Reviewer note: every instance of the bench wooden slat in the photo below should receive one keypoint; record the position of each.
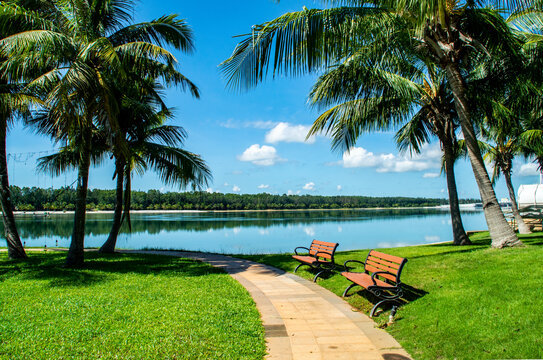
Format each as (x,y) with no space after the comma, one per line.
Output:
(392,258)
(382,262)
(374,269)
(382,268)
(325,243)
(322,249)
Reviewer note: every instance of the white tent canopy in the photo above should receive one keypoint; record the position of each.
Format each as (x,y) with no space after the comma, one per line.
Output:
(530,196)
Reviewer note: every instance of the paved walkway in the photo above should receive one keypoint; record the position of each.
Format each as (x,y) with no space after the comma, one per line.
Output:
(301,319)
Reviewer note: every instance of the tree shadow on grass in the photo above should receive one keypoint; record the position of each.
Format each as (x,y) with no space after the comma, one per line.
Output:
(98,268)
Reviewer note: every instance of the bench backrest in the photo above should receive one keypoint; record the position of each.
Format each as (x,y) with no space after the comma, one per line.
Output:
(323,249)
(378,261)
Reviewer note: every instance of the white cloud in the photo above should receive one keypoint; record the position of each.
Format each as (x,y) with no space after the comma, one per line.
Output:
(430,175)
(309,231)
(263,186)
(430,158)
(528,170)
(236,188)
(339,187)
(209,190)
(260,155)
(309,186)
(226,184)
(289,133)
(290,192)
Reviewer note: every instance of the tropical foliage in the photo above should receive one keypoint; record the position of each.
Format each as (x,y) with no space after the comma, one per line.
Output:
(83,52)
(392,38)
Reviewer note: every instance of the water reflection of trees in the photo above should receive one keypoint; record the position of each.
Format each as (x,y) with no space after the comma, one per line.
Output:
(60,226)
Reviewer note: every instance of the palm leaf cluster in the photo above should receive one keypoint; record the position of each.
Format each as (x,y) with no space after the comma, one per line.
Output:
(422,68)
(98,77)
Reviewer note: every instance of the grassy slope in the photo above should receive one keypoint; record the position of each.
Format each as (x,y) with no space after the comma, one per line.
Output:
(124,306)
(468,302)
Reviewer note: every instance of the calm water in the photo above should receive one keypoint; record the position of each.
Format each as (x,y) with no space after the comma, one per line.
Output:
(256,232)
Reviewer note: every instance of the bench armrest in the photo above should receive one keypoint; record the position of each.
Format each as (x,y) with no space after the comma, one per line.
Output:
(300,247)
(377,273)
(348,261)
(323,252)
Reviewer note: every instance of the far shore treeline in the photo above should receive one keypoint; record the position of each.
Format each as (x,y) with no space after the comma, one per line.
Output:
(34,198)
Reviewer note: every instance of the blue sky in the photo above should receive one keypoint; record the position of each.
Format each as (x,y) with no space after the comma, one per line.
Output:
(253,141)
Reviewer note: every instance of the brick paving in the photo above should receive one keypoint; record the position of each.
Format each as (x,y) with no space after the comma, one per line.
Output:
(301,319)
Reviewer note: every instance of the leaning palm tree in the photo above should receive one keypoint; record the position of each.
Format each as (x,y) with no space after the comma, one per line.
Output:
(501,155)
(15,101)
(446,31)
(12,101)
(95,45)
(153,145)
(364,96)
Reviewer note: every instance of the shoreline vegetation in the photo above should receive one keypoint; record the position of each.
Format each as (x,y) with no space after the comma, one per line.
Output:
(38,200)
(71,212)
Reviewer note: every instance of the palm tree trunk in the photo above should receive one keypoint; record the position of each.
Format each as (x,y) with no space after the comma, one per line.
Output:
(109,245)
(501,233)
(459,234)
(75,257)
(15,247)
(522,227)
(127,197)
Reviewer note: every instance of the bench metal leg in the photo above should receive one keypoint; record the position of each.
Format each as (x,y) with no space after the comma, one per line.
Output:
(297,267)
(316,276)
(392,312)
(348,288)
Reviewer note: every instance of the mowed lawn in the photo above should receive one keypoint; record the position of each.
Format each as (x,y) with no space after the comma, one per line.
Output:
(126,306)
(468,302)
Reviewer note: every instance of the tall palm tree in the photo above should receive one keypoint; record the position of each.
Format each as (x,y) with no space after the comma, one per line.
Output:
(365,95)
(506,145)
(152,145)
(12,101)
(446,31)
(15,102)
(95,45)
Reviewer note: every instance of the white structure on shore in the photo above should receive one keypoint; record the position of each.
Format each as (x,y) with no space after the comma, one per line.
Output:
(530,196)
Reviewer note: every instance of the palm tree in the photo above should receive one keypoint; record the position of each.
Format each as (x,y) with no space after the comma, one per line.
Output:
(506,145)
(94,44)
(445,31)
(529,22)
(12,101)
(365,95)
(151,144)
(15,101)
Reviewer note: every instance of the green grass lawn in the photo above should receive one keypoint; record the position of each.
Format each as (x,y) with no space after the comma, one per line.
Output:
(124,307)
(467,302)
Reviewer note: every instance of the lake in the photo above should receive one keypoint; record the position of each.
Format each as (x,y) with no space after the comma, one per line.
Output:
(252,232)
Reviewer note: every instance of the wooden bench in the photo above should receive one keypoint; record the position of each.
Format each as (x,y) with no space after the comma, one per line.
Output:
(381,277)
(320,257)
